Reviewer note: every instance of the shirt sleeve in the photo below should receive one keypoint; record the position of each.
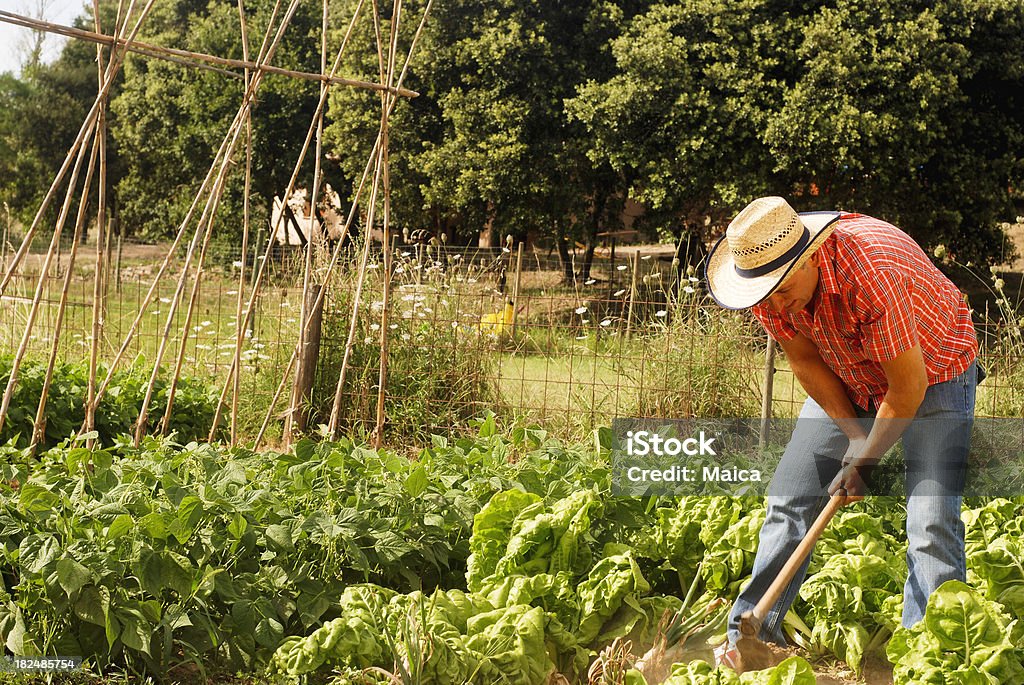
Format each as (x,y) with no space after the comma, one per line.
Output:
(884,307)
(779,328)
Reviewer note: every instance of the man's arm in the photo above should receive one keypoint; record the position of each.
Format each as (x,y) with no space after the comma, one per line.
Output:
(822,384)
(908,381)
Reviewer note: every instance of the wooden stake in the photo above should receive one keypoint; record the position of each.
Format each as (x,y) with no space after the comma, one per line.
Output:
(237,384)
(308,356)
(632,293)
(766,398)
(515,288)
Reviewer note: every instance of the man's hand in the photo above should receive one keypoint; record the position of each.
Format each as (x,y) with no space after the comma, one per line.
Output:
(849,480)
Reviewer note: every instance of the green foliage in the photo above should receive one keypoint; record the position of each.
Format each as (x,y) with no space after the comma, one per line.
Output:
(901,110)
(963,637)
(791,671)
(191,416)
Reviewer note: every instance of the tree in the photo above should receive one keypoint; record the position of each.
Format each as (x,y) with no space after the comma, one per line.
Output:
(487,146)
(912,112)
(909,111)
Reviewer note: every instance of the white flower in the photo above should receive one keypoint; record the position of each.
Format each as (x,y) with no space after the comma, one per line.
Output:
(581,337)
(693,279)
(621,267)
(393,326)
(646,256)
(455,324)
(456,258)
(688,290)
(589,281)
(374,326)
(399,270)
(237,264)
(165,300)
(368,340)
(406,336)
(619,293)
(232,292)
(586,320)
(661,312)
(406,254)
(581,310)
(606,322)
(372,266)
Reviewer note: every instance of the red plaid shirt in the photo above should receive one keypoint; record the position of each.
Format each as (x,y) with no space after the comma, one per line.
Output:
(878,295)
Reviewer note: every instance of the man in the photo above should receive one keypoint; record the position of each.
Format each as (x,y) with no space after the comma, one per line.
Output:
(883,344)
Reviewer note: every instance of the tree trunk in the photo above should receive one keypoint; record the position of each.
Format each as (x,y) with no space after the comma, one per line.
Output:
(564,260)
(596,212)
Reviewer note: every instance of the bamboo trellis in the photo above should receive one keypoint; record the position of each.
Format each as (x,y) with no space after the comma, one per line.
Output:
(111,53)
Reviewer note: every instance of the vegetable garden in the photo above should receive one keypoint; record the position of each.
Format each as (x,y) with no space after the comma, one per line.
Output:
(496,558)
(145,531)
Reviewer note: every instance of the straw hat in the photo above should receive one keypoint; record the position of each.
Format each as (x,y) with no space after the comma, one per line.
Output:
(763,245)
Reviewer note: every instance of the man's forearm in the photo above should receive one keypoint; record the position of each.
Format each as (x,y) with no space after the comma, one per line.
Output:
(894,415)
(826,388)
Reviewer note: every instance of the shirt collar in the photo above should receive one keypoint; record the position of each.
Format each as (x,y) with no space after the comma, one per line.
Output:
(827,282)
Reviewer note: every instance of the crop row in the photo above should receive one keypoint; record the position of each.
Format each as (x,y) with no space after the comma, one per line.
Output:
(498,558)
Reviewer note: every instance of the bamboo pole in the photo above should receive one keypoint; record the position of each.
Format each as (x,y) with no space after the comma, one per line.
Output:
(197,58)
(389,242)
(237,386)
(39,426)
(98,301)
(307,276)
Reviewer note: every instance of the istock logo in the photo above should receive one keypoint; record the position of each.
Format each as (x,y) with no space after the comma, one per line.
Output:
(644,443)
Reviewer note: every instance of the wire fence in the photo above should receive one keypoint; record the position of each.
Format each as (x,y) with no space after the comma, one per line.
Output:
(465,331)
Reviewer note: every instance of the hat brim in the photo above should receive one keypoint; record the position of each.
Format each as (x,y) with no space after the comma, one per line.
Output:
(733,291)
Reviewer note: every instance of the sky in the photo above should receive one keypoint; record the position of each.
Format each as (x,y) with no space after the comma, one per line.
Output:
(55,11)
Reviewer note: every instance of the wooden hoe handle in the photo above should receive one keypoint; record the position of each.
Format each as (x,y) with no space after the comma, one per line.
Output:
(771,596)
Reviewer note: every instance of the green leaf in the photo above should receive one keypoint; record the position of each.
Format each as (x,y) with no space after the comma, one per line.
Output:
(121,525)
(72,575)
(417,481)
(279,538)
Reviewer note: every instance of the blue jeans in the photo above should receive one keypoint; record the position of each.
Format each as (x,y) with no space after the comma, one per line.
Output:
(935,446)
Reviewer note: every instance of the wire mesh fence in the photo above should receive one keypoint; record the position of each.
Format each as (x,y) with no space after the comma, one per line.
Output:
(464,331)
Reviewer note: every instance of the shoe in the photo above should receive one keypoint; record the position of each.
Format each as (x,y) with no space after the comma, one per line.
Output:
(727,655)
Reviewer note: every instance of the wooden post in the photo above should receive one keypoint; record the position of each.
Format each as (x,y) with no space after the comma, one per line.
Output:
(308,356)
(766,398)
(632,294)
(515,288)
(120,252)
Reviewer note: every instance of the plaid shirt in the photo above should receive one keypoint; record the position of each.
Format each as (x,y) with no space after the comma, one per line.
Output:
(878,295)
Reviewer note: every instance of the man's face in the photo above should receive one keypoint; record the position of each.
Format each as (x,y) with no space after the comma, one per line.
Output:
(797,290)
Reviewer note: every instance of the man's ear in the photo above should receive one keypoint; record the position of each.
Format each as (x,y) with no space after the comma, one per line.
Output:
(813,260)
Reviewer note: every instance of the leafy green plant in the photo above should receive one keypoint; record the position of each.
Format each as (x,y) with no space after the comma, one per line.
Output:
(963,638)
(192,415)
